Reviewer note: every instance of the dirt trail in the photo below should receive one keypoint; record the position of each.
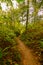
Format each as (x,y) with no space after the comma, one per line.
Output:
(27,56)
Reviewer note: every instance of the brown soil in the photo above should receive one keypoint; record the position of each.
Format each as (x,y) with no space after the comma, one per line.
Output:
(27,56)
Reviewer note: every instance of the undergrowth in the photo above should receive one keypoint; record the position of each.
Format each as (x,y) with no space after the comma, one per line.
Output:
(33,38)
(9,54)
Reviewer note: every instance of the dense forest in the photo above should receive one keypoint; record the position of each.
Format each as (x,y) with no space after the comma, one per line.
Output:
(21,32)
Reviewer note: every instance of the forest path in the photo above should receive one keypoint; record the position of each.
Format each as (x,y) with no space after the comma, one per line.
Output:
(27,56)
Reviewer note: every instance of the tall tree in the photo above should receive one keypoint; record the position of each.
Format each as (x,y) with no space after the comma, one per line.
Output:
(27,14)
(37,5)
(27,11)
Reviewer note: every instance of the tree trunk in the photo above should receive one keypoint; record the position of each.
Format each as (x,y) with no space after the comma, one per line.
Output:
(27,14)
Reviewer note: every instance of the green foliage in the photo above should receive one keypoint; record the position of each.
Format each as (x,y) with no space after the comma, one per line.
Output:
(16,64)
(10,27)
(1,53)
(41,43)
(34,34)
(8,63)
(6,34)
(19,28)
(20,1)
(17,56)
(8,45)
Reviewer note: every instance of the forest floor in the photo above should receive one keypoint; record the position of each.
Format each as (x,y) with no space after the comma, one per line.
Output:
(28,57)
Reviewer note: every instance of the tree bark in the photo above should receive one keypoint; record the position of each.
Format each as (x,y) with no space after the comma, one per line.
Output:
(27,14)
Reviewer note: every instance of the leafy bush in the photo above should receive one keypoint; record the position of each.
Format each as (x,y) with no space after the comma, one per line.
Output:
(8,48)
(34,34)
(6,33)
(17,56)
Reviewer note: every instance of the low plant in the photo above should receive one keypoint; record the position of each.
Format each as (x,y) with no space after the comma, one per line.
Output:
(8,49)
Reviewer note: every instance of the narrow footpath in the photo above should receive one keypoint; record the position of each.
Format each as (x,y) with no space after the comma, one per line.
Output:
(27,56)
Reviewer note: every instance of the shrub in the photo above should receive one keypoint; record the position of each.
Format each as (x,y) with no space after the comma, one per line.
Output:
(34,34)
(8,48)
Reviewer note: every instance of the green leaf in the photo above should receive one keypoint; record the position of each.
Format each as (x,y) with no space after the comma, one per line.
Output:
(6,48)
(1,53)
(20,1)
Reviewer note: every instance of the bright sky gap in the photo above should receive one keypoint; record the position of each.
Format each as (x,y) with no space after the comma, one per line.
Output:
(15,5)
